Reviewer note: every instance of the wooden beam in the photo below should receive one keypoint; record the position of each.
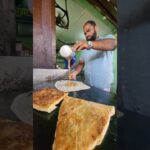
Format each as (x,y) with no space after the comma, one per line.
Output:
(104,10)
(44,28)
(109,7)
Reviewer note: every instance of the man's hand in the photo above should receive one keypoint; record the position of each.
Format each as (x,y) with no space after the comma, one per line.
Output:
(73,75)
(78,69)
(80,46)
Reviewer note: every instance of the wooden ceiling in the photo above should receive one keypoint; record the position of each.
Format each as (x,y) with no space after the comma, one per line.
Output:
(108,8)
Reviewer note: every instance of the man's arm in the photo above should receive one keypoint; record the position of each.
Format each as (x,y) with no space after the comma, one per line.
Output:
(105,45)
(78,69)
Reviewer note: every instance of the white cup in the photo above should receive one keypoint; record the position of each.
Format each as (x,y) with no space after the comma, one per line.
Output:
(66,51)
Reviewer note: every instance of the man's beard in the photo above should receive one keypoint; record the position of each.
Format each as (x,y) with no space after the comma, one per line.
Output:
(93,37)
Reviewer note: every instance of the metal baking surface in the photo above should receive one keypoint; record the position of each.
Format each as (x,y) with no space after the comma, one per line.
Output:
(45,124)
(42,75)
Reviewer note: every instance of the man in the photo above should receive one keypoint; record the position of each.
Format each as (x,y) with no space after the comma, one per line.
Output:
(96,58)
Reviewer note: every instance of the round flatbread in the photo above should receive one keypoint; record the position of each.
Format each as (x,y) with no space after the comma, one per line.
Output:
(70,86)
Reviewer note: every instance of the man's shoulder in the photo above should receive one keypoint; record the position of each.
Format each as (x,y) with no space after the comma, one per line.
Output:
(109,36)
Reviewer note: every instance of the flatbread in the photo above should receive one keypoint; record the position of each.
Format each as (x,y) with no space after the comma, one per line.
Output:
(81,124)
(15,135)
(46,99)
(70,86)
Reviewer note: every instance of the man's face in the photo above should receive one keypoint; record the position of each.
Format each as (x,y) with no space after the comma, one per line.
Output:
(89,32)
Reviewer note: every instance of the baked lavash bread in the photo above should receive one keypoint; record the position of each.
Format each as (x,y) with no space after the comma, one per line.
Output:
(46,99)
(81,124)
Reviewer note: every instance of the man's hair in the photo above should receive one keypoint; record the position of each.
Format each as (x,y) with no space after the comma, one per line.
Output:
(90,22)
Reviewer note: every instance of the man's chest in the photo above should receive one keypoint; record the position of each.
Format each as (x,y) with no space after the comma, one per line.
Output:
(93,55)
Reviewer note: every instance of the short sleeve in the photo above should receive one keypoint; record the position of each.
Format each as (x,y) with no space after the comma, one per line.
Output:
(110,36)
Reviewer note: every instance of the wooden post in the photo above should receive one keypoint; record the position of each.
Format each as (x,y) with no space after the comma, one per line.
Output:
(44,39)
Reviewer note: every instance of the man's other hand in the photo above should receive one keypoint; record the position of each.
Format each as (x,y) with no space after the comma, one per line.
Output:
(80,46)
(73,75)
